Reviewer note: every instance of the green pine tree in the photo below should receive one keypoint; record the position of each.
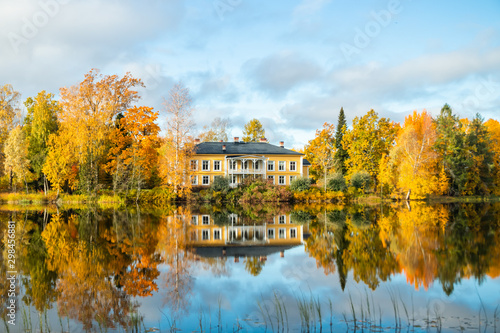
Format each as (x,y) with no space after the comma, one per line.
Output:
(341,154)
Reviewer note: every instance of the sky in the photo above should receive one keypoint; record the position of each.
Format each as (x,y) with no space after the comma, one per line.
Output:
(291,64)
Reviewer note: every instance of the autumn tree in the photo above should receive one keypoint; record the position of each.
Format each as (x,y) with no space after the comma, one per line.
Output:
(88,113)
(9,109)
(369,139)
(16,156)
(61,165)
(320,151)
(177,147)
(418,163)
(253,131)
(134,154)
(341,153)
(217,130)
(493,127)
(40,122)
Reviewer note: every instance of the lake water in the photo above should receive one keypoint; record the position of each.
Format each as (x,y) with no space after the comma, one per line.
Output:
(408,267)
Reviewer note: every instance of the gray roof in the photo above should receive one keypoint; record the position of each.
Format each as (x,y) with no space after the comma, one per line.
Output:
(240,251)
(242,148)
(306,162)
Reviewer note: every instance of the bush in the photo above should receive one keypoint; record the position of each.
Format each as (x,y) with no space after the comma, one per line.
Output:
(220,184)
(361,180)
(336,183)
(300,184)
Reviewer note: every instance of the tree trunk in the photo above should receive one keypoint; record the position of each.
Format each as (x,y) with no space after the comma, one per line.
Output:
(26,183)
(11,176)
(408,194)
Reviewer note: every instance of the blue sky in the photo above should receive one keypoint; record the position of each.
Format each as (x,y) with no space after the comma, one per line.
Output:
(291,64)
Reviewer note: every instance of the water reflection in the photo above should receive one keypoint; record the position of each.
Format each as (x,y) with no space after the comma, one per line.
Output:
(96,265)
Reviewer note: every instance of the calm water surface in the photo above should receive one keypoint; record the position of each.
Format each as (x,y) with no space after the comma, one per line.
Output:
(253,268)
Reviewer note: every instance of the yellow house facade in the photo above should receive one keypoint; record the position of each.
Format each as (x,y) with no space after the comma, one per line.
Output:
(238,160)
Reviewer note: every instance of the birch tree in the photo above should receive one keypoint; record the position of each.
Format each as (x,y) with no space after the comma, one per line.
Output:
(178,144)
(16,156)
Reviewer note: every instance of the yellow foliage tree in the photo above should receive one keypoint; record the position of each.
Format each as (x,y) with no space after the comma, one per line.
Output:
(493,127)
(418,161)
(88,113)
(16,156)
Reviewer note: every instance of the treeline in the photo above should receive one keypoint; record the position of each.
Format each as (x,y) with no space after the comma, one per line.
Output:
(426,156)
(97,137)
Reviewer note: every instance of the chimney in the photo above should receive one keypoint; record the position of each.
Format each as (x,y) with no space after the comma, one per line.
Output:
(236,139)
(282,254)
(196,140)
(236,259)
(223,147)
(263,140)
(221,141)
(282,144)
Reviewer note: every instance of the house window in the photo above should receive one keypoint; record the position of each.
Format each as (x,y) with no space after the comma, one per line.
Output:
(293,233)
(292,178)
(205,219)
(282,219)
(194,220)
(205,234)
(282,233)
(281,180)
(244,165)
(234,179)
(217,165)
(205,180)
(271,179)
(270,233)
(194,180)
(233,165)
(281,166)
(293,166)
(256,165)
(194,235)
(205,165)
(194,165)
(270,165)
(217,234)
(233,218)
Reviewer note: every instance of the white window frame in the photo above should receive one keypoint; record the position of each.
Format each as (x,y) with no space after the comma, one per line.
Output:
(219,164)
(205,219)
(207,165)
(194,220)
(219,231)
(281,166)
(294,166)
(233,179)
(282,219)
(205,232)
(203,180)
(233,164)
(271,233)
(194,165)
(270,165)
(293,233)
(271,177)
(282,233)
(194,179)
(281,178)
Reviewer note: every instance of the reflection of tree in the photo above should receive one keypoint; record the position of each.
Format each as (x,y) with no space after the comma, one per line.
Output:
(367,256)
(87,293)
(254,265)
(172,236)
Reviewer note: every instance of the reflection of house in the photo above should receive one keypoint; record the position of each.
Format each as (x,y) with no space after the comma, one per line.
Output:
(238,160)
(238,239)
